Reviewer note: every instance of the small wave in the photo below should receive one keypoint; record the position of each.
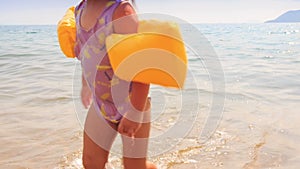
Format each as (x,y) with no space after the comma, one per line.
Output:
(268,57)
(71,161)
(188,155)
(256,150)
(19,55)
(32,32)
(293,43)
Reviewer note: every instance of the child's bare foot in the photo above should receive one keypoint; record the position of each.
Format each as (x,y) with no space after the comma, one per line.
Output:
(150,165)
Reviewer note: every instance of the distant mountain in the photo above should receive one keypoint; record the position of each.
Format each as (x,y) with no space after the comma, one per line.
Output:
(290,16)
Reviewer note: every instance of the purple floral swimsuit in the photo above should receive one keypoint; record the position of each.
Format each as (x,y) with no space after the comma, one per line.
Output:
(90,49)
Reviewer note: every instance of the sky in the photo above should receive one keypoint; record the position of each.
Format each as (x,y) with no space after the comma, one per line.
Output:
(194,11)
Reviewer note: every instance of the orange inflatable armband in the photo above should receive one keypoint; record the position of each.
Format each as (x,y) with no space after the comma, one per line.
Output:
(66,31)
(156,54)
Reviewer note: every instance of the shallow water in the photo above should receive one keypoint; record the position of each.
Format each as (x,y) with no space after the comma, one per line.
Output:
(41,127)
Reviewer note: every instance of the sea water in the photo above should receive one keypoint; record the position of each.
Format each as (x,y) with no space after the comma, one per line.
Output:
(41,117)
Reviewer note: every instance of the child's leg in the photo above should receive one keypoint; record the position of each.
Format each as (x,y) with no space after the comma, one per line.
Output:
(135,151)
(98,138)
(93,155)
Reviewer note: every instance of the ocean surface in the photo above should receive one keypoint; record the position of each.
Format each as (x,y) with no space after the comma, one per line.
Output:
(41,116)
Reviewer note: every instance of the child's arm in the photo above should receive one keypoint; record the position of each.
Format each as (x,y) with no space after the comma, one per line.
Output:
(138,100)
(140,91)
(86,94)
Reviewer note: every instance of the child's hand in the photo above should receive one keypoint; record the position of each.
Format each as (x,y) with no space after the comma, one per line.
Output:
(128,127)
(86,96)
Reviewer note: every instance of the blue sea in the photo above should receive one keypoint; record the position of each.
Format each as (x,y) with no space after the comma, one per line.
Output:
(249,115)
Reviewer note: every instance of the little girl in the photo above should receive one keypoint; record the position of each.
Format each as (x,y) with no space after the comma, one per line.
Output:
(104,121)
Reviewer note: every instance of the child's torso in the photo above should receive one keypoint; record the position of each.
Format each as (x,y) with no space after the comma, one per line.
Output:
(90,49)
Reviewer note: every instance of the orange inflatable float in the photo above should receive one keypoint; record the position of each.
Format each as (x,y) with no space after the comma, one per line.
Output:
(156,54)
(66,31)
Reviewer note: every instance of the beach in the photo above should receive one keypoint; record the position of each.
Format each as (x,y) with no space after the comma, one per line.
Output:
(41,116)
